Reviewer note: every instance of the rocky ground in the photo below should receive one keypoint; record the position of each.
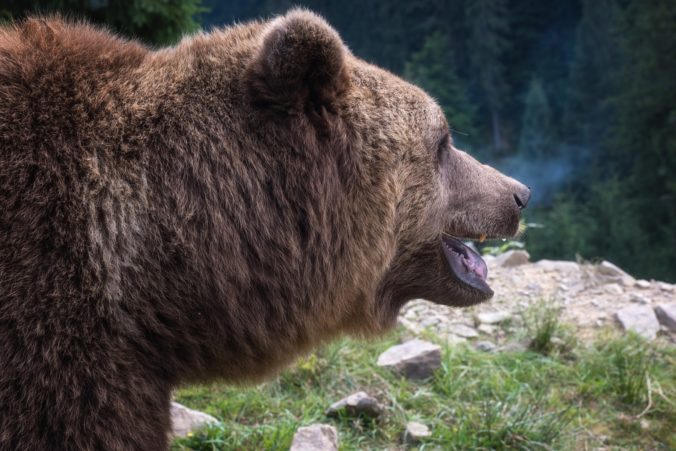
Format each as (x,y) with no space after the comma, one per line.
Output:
(587,297)
(590,297)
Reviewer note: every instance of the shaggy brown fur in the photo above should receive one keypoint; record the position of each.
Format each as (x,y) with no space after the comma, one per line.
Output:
(208,210)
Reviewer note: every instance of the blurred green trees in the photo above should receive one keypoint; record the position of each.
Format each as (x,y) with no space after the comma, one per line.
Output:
(433,69)
(153,21)
(575,97)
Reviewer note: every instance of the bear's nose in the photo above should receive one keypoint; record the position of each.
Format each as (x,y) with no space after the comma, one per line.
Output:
(522,197)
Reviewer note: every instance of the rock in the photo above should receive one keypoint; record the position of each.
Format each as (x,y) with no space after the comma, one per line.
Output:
(612,272)
(316,437)
(485,346)
(513,346)
(666,314)
(629,282)
(493,317)
(556,265)
(185,420)
(666,287)
(416,432)
(486,329)
(639,299)
(355,405)
(613,288)
(462,330)
(431,321)
(511,258)
(415,359)
(643,284)
(640,319)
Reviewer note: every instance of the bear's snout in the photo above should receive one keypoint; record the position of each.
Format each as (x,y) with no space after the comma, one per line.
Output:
(484,203)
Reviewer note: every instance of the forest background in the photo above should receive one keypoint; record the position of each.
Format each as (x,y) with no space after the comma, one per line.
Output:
(576,98)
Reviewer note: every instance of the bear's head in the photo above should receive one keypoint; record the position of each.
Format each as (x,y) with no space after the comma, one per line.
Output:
(423,195)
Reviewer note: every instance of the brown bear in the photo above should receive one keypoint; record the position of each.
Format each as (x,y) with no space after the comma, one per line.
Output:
(211,210)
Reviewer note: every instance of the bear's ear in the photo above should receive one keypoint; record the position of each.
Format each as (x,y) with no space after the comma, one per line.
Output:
(300,65)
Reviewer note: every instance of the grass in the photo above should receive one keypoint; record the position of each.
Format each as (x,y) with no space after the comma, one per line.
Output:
(618,392)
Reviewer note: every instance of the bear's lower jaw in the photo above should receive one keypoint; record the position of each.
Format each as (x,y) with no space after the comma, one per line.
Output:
(466,265)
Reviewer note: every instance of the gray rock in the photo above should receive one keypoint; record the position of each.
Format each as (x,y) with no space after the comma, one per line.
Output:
(356,404)
(416,432)
(556,265)
(415,359)
(493,317)
(462,330)
(511,258)
(431,321)
(485,346)
(185,420)
(639,299)
(486,329)
(316,437)
(640,319)
(613,288)
(643,284)
(666,287)
(612,272)
(513,346)
(666,314)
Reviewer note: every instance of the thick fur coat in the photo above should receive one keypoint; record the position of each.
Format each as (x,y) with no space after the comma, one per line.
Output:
(209,210)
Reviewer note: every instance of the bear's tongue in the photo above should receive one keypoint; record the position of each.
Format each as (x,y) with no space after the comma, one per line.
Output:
(465,264)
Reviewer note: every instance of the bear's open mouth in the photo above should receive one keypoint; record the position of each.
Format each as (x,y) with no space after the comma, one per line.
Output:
(466,264)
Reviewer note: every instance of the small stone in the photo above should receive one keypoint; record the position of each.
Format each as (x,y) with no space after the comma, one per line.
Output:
(611,272)
(486,329)
(493,317)
(596,303)
(462,330)
(185,420)
(640,319)
(511,259)
(555,265)
(628,282)
(431,321)
(605,268)
(316,437)
(415,359)
(639,299)
(666,287)
(416,432)
(614,288)
(666,314)
(643,284)
(355,405)
(513,346)
(485,346)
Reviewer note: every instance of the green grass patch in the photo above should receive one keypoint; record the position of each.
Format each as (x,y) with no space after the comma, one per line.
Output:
(618,392)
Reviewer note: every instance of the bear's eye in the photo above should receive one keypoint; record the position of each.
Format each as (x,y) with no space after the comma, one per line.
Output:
(442,150)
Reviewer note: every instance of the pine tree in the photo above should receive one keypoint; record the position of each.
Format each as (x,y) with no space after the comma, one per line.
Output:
(597,60)
(535,141)
(488,27)
(432,68)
